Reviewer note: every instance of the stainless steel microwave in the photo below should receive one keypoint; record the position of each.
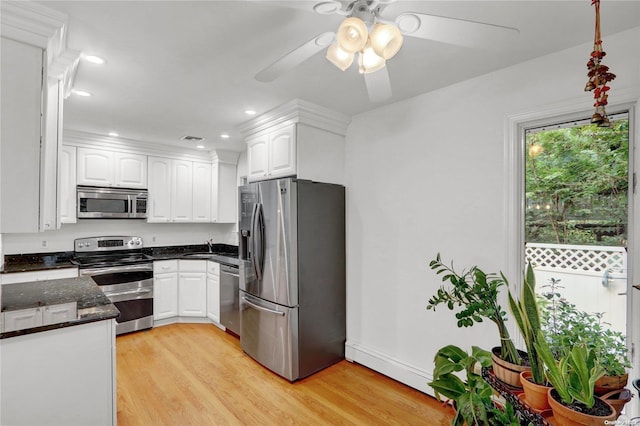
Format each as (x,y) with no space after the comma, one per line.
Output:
(111,203)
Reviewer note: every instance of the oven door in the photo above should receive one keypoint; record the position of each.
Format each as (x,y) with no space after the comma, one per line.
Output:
(130,289)
(96,203)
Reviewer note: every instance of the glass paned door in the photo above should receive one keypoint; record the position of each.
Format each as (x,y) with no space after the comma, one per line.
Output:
(576,214)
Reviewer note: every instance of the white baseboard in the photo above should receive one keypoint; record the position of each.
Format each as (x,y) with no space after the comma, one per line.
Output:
(192,320)
(399,370)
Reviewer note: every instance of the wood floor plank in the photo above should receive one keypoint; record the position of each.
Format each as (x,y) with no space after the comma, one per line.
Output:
(196,374)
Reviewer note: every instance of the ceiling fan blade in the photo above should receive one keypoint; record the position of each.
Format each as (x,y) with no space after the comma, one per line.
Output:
(378,85)
(295,57)
(455,31)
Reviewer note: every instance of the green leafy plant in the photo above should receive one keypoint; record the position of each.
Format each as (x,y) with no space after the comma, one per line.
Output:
(472,397)
(565,325)
(574,374)
(525,311)
(476,293)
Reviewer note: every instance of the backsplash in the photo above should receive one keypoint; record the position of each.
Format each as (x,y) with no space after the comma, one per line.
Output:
(153,235)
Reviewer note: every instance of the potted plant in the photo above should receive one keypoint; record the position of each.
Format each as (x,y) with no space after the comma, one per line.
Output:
(564,325)
(476,294)
(471,397)
(573,376)
(527,317)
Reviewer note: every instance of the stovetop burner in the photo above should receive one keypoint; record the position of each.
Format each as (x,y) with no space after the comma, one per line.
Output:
(111,259)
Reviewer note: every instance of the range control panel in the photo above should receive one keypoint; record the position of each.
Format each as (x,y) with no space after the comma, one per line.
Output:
(107,243)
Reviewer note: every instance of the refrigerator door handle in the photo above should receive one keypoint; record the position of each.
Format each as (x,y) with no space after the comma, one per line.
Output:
(252,239)
(260,308)
(258,242)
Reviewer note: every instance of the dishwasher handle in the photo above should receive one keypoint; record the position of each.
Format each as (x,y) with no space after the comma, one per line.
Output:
(230,270)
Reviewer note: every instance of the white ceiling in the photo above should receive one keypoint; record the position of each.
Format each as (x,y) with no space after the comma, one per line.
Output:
(178,68)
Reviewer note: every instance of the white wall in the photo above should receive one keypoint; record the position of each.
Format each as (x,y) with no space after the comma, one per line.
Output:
(426,175)
(153,235)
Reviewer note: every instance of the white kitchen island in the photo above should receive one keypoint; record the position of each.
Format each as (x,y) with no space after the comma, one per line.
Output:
(61,374)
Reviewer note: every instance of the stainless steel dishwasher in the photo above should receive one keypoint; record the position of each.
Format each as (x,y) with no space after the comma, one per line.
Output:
(229,302)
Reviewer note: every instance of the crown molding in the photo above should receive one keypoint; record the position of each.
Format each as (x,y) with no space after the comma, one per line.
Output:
(32,23)
(91,140)
(298,111)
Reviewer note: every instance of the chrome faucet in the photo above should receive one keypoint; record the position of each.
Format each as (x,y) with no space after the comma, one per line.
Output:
(210,244)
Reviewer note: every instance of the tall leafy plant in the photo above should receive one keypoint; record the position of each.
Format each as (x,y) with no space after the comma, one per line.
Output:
(525,311)
(476,294)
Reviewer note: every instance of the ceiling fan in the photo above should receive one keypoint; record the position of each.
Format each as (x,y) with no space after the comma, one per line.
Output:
(375,36)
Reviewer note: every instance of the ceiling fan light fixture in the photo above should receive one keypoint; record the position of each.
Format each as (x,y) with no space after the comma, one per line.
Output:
(352,34)
(386,40)
(369,61)
(339,57)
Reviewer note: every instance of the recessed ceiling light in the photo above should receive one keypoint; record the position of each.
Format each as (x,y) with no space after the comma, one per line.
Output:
(200,146)
(224,135)
(114,134)
(81,92)
(94,59)
(250,111)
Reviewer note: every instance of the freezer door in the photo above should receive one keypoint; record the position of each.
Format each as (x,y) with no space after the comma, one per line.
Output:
(269,334)
(273,244)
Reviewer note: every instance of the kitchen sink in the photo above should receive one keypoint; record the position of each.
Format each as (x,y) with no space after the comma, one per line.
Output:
(198,255)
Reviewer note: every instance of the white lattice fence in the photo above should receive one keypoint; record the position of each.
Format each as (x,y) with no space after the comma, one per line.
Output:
(577,258)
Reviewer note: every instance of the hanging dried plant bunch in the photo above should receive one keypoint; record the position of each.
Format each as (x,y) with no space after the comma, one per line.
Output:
(599,75)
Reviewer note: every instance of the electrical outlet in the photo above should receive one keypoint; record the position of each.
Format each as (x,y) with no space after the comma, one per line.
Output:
(153,239)
(44,243)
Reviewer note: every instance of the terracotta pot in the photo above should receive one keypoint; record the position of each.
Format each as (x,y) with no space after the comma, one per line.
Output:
(618,398)
(535,395)
(565,416)
(606,384)
(505,371)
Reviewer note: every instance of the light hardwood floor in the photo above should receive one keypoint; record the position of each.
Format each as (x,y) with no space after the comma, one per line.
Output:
(196,374)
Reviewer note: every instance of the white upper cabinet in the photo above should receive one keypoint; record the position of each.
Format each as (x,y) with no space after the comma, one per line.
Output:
(296,139)
(130,170)
(159,190)
(272,154)
(257,157)
(186,191)
(35,68)
(282,152)
(95,167)
(67,184)
(182,191)
(98,167)
(202,192)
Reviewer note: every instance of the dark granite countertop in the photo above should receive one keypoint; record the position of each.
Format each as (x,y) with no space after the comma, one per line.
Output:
(36,262)
(222,253)
(92,304)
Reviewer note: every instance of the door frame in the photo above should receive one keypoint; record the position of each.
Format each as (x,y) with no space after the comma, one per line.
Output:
(514,208)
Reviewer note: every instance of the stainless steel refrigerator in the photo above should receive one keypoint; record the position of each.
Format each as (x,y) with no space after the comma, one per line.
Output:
(292,275)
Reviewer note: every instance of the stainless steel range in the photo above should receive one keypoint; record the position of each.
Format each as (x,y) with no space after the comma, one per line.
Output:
(125,275)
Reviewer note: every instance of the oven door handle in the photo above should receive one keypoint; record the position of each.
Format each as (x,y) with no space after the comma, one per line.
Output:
(127,268)
(127,292)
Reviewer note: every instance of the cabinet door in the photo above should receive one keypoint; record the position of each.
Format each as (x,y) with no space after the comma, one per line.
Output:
(181,191)
(95,167)
(130,170)
(202,192)
(21,106)
(213,291)
(257,157)
(282,152)
(192,294)
(67,184)
(165,295)
(50,149)
(159,190)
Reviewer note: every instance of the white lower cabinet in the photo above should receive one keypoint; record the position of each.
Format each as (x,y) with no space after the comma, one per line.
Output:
(39,316)
(213,291)
(67,373)
(165,289)
(192,288)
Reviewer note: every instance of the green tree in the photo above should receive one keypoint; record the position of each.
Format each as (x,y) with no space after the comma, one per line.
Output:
(576,184)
